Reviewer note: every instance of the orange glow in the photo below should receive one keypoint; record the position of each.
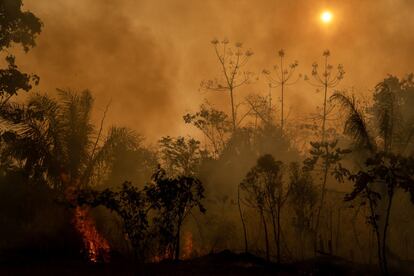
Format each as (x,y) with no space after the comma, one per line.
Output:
(188,246)
(165,256)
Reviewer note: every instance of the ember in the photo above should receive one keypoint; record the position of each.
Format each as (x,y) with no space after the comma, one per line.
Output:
(166,255)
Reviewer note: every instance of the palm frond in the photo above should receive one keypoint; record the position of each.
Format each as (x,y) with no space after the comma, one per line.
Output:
(355,125)
(75,116)
(116,138)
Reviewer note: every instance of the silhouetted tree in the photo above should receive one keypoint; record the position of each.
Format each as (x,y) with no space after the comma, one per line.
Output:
(54,142)
(264,191)
(260,109)
(303,198)
(214,124)
(132,206)
(232,60)
(329,156)
(326,80)
(181,156)
(388,140)
(393,172)
(283,78)
(17,27)
(174,199)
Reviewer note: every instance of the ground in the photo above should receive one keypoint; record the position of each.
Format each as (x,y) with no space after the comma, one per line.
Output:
(223,263)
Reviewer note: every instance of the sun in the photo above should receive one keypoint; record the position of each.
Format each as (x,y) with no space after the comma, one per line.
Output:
(326,17)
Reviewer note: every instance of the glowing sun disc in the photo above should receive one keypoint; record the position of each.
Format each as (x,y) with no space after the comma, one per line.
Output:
(326,17)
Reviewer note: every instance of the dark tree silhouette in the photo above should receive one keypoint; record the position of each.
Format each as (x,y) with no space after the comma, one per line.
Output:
(132,206)
(283,78)
(214,124)
(329,156)
(326,80)
(303,198)
(386,145)
(17,27)
(181,156)
(174,199)
(264,191)
(232,60)
(393,172)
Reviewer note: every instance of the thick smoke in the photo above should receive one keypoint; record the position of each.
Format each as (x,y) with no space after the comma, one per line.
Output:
(150,56)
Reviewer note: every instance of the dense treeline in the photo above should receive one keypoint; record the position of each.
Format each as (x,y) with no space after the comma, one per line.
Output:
(69,184)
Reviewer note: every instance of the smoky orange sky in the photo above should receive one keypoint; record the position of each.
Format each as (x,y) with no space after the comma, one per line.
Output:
(149,57)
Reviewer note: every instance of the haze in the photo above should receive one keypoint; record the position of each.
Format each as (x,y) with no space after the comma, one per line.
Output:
(149,57)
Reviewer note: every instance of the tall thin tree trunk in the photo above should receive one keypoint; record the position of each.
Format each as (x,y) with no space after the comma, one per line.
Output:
(242,221)
(266,236)
(324,101)
(278,233)
(233,111)
(177,243)
(318,215)
(272,213)
(338,229)
(282,121)
(384,236)
(377,233)
(330,242)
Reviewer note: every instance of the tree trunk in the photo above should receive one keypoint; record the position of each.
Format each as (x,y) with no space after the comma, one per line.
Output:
(279,208)
(324,102)
(275,233)
(177,243)
(242,221)
(377,233)
(266,236)
(282,106)
(233,111)
(384,236)
(325,176)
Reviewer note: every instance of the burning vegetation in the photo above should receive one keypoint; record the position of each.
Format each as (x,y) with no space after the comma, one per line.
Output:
(96,247)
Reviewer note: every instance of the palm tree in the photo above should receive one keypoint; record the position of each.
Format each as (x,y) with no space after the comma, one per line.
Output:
(57,145)
(388,139)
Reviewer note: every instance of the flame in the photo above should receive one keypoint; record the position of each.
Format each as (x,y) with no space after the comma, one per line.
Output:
(96,246)
(187,252)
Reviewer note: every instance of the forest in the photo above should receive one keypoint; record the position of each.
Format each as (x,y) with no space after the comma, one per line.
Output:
(252,191)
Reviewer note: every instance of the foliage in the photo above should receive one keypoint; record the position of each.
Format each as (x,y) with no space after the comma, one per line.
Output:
(181,156)
(213,123)
(55,142)
(132,206)
(388,170)
(232,60)
(283,77)
(264,191)
(173,199)
(388,123)
(303,197)
(17,27)
(325,79)
(355,123)
(330,157)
